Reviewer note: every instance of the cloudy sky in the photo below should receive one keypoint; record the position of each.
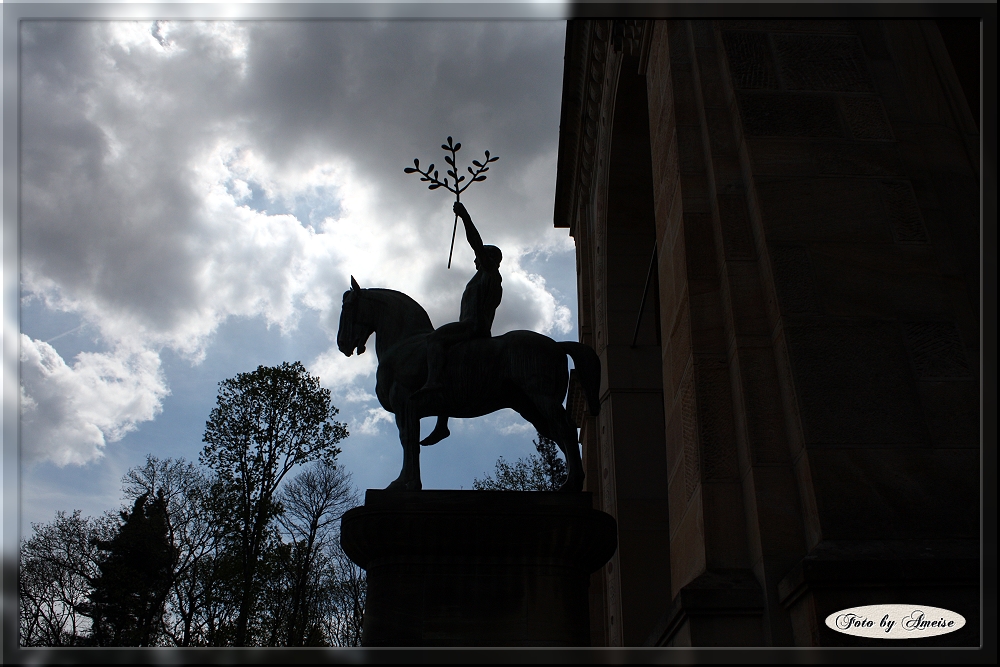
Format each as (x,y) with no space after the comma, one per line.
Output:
(196,195)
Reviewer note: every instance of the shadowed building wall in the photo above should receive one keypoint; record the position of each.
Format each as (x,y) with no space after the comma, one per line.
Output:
(795,429)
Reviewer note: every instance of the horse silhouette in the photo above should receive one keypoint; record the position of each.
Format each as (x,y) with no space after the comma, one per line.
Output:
(522,370)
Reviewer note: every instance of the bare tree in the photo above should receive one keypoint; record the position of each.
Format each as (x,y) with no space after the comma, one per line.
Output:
(312,504)
(344,623)
(58,567)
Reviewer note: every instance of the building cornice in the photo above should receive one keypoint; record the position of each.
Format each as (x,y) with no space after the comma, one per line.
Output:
(584,76)
(573,117)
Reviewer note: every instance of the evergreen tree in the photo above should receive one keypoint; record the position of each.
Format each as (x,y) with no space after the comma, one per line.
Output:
(128,598)
(191,529)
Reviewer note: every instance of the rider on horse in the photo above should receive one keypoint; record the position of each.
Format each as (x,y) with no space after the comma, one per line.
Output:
(479,304)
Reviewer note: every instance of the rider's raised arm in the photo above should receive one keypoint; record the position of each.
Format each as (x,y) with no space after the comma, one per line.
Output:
(471,233)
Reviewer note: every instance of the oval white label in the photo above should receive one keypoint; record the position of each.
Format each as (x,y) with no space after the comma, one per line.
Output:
(895,621)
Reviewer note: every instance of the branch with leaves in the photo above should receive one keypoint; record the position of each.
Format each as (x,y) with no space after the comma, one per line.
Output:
(432,176)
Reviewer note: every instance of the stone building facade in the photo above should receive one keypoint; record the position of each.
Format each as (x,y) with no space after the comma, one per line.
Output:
(777,230)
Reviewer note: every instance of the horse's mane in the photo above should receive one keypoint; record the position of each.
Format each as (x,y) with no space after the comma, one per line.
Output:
(415,317)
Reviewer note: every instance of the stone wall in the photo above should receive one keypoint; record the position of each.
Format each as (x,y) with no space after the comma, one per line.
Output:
(809,368)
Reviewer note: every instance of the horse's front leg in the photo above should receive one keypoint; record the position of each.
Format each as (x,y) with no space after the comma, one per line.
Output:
(408,423)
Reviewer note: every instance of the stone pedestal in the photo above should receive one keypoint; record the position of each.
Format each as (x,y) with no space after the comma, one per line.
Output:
(477,568)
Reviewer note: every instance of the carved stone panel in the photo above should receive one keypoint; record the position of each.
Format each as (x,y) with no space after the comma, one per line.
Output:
(605,437)
(873,40)
(789,115)
(793,279)
(855,385)
(902,212)
(833,63)
(792,157)
(936,350)
(841,210)
(750,62)
(866,118)
(576,401)
(715,420)
(856,159)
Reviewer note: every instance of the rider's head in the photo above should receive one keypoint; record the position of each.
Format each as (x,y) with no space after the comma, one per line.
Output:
(492,255)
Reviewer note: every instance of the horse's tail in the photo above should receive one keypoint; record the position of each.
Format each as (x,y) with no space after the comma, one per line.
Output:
(588,368)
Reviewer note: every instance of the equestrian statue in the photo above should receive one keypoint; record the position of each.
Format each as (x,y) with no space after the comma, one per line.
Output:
(460,369)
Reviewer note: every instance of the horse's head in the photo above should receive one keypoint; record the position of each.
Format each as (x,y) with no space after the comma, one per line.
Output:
(352,333)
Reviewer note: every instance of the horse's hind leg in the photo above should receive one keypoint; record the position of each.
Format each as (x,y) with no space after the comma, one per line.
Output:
(558,426)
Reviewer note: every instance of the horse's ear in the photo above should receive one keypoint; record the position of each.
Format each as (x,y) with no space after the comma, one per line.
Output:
(354,285)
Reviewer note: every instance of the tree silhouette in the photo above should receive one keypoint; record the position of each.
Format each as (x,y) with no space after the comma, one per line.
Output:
(265,423)
(136,571)
(59,564)
(191,529)
(312,503)
(74,590)
(544,471)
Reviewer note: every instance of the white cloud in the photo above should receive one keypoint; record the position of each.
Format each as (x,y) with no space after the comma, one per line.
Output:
(516,429)
(373,419)
(339,373)
(527,304)
(179,174)
(69,413)
(355,394)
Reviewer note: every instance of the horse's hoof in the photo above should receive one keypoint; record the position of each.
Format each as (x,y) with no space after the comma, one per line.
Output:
(435,437)
(400,485)
(572,486)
